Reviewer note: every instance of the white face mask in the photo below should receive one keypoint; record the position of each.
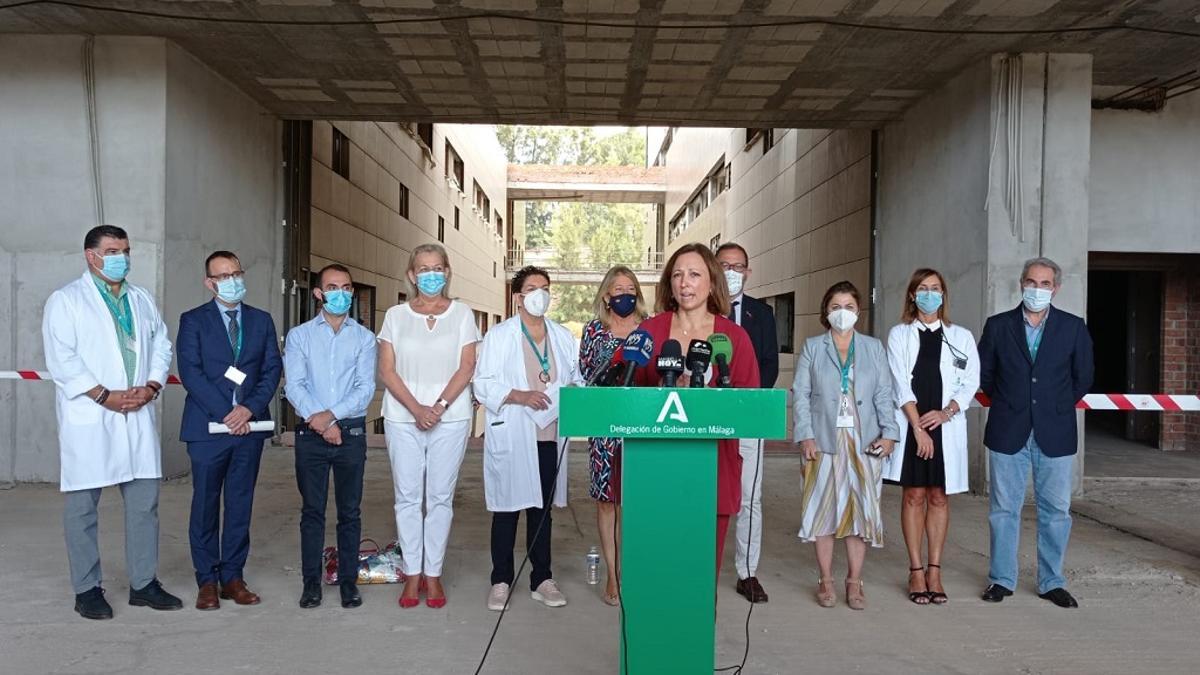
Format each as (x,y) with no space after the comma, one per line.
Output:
(537,302)
(842,320)
(734,280)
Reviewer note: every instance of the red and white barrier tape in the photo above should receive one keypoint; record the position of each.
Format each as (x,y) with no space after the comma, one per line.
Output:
(1146,402)
(41,375)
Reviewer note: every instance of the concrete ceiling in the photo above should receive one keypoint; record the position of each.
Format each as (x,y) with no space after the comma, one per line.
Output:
(634,62)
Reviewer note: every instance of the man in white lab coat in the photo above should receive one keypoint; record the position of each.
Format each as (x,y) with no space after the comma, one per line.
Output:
(107,350)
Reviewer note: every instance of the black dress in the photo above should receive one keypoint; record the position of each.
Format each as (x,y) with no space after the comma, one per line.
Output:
(927,388)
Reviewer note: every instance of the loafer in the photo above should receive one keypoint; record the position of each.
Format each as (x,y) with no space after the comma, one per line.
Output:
(995,593)
(498,597)
(350,596)
(154,597)
(207,598)
(548,594)
(311,597)
(92,605)
(1060,597)
(237,591)
(751,589)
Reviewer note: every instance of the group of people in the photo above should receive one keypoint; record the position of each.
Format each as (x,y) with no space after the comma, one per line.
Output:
(108,352)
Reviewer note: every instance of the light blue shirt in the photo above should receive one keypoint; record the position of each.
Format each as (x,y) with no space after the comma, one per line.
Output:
(329,371)
(1033,334)
(225,318)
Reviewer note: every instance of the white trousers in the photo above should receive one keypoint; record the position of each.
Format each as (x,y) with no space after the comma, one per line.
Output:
(425,468)
(749,519)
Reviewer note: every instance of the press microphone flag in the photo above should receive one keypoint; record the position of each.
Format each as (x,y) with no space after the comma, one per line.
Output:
(637,349)
(722,354)
(698,357)
(670,362)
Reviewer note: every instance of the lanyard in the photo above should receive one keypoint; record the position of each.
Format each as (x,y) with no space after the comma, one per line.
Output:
(846,366)
(1037,339)
(543,358)
(120,310)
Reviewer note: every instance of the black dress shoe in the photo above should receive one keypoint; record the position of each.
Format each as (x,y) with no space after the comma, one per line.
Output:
(311,597)
(995,593)
(92,605)
(350,596)
(154,597)
(1060,597)
(751,589)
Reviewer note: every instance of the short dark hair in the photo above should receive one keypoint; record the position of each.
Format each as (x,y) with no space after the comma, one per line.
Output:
(228,255)
(524,273)
(94,235)
(839,287)
(332,267)
(733,245)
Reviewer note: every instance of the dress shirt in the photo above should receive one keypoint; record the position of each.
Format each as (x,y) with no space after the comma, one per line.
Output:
(329,370)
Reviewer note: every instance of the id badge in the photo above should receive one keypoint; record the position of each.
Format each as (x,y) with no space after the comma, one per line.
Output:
(235,376)
(844,419)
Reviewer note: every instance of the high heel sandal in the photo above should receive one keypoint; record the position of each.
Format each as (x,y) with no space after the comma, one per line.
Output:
(825,594)
(855,600)
(917,597)
(936,597)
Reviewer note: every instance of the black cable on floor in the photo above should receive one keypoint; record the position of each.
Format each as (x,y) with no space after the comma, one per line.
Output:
(549,504)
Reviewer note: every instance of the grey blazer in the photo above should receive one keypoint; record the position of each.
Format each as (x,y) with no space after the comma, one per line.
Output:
(817,390)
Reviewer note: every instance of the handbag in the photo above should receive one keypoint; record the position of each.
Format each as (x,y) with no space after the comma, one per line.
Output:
(375,565)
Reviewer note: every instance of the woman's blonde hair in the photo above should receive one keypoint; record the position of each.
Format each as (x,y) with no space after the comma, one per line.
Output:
(413,291)
(600,308)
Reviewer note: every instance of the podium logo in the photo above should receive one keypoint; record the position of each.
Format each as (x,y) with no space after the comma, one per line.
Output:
(673,408)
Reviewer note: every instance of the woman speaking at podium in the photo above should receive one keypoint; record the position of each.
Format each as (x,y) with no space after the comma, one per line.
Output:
(692,302)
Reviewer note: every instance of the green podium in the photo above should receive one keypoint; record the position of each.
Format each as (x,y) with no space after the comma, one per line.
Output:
(669,507)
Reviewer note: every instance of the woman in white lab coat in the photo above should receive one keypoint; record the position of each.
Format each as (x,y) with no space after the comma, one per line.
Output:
(522,363)
(935,368)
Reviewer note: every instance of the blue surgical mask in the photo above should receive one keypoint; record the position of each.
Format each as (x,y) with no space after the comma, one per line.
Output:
(116,267)
(1036,299)
(929,301)
(623,305)
(338,301)
(231,290)
(431,283)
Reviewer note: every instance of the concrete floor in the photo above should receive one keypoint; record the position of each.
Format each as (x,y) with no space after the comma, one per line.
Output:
(1111,456)
(1139,600)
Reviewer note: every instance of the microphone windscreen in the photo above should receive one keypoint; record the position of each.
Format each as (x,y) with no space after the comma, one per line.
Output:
(721,346)
(699,355)
(638,347)
(672,348)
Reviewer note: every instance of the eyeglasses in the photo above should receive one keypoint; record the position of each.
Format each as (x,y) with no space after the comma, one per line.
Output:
(735,267)
(226,277)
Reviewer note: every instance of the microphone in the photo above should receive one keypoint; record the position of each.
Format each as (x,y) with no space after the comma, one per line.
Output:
(722,353)
(698,357)
(637,350)
(615,373)
(606,362)
(670,362)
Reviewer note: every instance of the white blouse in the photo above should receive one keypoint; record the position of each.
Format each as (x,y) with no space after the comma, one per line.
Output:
(426,358)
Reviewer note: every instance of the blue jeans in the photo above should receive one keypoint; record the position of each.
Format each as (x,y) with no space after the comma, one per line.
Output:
(1052,489)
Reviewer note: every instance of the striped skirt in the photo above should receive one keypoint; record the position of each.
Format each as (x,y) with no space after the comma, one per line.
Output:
(841,492)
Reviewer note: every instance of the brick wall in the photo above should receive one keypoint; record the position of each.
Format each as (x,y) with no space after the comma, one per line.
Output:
(1181,356)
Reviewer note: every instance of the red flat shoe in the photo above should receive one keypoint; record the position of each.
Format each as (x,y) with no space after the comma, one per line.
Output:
(409,603)
(435,603)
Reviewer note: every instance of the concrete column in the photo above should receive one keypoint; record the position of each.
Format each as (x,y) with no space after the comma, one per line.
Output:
(944,201)
(1050,216)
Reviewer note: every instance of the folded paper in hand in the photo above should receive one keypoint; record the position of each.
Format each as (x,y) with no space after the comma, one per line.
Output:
(218,428)
(544,418)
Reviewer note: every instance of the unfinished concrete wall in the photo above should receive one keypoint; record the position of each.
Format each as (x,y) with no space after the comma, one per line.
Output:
(1145,177)
(222,159)
(166,127)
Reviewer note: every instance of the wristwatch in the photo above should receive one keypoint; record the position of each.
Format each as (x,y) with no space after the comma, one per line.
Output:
(442,402)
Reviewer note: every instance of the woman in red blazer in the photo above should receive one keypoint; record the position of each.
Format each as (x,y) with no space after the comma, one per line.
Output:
(692,304)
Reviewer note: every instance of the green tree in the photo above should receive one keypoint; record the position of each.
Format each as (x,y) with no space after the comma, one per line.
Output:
(582,235)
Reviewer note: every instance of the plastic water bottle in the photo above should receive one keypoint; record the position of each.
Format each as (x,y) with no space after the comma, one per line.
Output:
(593,566)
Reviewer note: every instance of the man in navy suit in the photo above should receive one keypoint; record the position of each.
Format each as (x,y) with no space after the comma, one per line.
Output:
(229,364)
(759,321)
(1035,363)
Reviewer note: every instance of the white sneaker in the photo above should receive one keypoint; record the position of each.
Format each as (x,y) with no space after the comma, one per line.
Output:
(548,594)
(498,597)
